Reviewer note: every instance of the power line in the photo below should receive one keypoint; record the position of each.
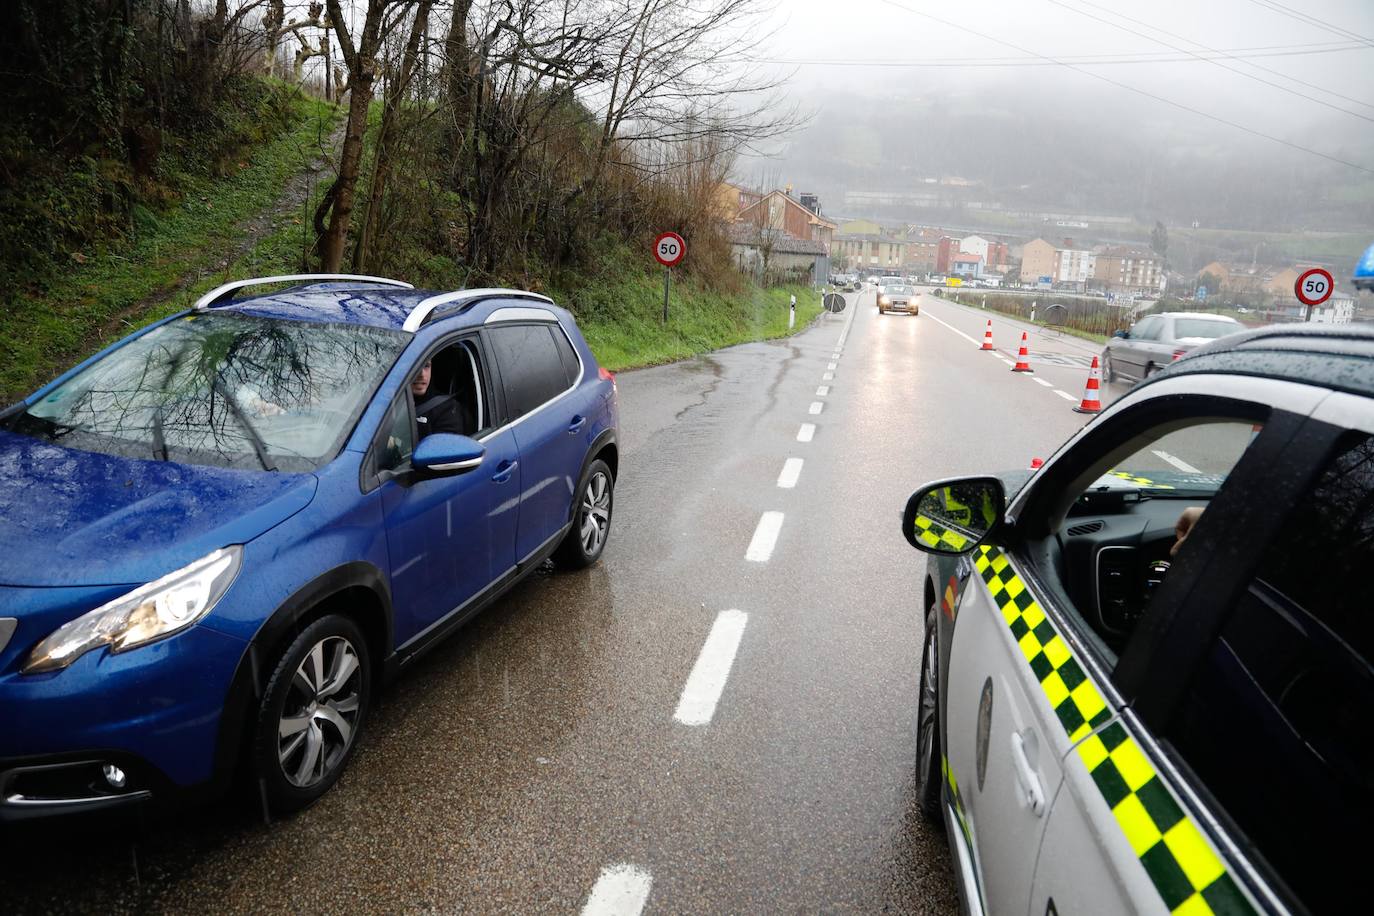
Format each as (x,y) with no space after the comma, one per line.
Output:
(1275,7)
(1199,44)
(1094,60)
(1213,61)
(1130,88)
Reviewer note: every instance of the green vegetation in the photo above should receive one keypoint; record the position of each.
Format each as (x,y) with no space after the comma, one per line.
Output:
(1085,318)
(168,258)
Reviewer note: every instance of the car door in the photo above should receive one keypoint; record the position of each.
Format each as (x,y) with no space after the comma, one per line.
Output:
(449,537)
(548,415)
(1254,754)
(1136,349)
(1004,737)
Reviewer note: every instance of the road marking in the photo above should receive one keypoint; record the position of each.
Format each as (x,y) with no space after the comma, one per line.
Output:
(807,431)
(1005,360)
(816,407)
(828,377)
(955,330)
(1177,462)
(830,367)
(707,680)
(621,890)
(1039,381)
(791,470)
(822,391)
(1065,395)
(765,537)
(834,356)
(849,323)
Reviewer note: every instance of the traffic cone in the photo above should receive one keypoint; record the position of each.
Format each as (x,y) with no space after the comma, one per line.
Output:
(1022,357)
(987,337)
(1091,398)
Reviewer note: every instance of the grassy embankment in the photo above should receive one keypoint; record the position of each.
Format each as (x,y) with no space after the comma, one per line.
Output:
(207,238)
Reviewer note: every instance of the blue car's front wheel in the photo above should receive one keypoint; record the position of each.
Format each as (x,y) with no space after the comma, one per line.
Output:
(312,713)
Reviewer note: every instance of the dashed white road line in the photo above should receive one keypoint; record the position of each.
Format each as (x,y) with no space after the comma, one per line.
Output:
(621,890)
(830,367)
(1177,462)
(807,432)
(822,391)
(816,407)
(765,537)
(827,377)
(1040,381)
(707,680)
(791,470)
(955,330)
(1065,395)
(834,356)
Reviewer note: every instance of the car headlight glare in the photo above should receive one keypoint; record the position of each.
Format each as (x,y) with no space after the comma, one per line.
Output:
(884,300)
(146,614)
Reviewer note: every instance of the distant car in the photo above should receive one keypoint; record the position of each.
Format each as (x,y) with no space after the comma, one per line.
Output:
(1158,340)
(873,280)
(223,532)
(1112,721)
(898,297)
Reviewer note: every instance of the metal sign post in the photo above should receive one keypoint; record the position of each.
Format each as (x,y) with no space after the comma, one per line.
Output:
(669,250)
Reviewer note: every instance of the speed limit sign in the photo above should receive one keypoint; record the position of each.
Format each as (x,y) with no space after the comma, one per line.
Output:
(1314,286)
(669,249)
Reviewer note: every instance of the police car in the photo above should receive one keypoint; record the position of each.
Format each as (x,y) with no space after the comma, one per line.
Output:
(1114,720)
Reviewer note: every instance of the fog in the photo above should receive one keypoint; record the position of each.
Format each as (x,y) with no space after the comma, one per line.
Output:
(1278,136)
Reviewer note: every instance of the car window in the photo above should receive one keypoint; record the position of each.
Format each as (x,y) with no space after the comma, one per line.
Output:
(531,370)
(1203,328)
(1278,721)
(224,390)
(396,439)
(571,366)
(1147,329)
(1118,538)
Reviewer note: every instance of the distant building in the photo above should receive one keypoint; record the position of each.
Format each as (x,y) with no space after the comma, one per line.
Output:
(1075,265)
(1128,270)
(945,250)
(1038,259)
(966,265)
(974,244)
(869,250)
(779,212)
(775,255)
(1337,310)
(858,227)
(731,198)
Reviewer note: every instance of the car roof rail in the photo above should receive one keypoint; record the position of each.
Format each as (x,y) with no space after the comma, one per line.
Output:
(221,294)
(422,312)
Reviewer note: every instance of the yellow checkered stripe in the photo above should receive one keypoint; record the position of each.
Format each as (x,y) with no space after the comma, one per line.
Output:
(933,534)
(1187,873)
(1139,481)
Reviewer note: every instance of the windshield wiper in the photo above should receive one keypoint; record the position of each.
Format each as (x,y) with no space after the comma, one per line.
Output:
(259,447)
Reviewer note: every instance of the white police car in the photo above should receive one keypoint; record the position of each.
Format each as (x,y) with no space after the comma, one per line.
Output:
(1108,725)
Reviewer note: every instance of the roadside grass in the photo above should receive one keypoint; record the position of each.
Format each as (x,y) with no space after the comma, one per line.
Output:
(114,290)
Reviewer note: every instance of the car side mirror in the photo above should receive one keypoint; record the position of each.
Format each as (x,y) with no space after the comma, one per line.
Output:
(447,453)
(1123,334)
(952,517)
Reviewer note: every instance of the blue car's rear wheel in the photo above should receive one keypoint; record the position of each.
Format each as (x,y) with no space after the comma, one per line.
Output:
(584,542)
(312,713)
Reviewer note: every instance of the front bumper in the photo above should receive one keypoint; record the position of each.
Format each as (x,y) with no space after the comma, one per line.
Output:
(909,307)
(153,712)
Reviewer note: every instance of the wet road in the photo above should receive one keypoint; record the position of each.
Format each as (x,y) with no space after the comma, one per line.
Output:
(755,529)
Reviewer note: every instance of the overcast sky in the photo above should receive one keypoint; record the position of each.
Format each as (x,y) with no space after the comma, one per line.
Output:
(813,31)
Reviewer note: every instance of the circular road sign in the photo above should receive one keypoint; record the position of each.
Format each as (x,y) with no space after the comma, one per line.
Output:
(669,249)
(1314,286)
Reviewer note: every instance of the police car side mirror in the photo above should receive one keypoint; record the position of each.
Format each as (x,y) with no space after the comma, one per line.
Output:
(447,453)
(952,517)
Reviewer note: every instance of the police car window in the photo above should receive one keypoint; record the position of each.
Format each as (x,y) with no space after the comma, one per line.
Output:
(531,369)
(1119,538)
(1278,721)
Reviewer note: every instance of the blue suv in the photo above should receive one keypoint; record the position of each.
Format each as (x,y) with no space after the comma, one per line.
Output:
(221,534)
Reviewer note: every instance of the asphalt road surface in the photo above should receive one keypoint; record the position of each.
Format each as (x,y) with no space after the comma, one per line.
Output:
(717,718)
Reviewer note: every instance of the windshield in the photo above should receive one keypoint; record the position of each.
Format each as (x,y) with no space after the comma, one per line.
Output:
(898,289)
(1208,328)
(222,390)
(1191,462)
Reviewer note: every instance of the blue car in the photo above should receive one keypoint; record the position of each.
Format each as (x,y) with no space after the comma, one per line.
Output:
(221,535)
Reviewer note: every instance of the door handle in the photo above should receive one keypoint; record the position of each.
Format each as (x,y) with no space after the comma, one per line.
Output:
(577,423)
(504,471)
(1025,775)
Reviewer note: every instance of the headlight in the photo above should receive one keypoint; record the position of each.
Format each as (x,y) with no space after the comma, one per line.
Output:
(884,300)
(146,614)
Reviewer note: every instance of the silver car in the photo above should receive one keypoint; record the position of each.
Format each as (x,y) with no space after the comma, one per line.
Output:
(1147,681)
(1158,340)
(898,297)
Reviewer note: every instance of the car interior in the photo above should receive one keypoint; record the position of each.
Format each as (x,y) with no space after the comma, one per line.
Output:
(454,372)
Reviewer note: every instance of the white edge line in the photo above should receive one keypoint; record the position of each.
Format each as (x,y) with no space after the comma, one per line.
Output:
(1177,462)
(816,407)
(955,330)
(706,683)
(1040,381)
(791,471)
(1065,395)
(807,431)
(621,890)
(822,391)
(827,377)
(765,537)
(830,367)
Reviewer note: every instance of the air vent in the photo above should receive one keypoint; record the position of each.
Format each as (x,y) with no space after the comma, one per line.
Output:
(1085,528)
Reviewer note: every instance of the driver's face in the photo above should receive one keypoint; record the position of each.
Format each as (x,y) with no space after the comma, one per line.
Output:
(420,384)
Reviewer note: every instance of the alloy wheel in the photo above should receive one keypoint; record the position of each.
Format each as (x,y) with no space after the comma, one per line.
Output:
(595,516)
(928,711)
(321,711)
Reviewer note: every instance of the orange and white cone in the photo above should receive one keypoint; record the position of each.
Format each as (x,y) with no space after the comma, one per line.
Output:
(987,337)
(1022,357)
(1092,391)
